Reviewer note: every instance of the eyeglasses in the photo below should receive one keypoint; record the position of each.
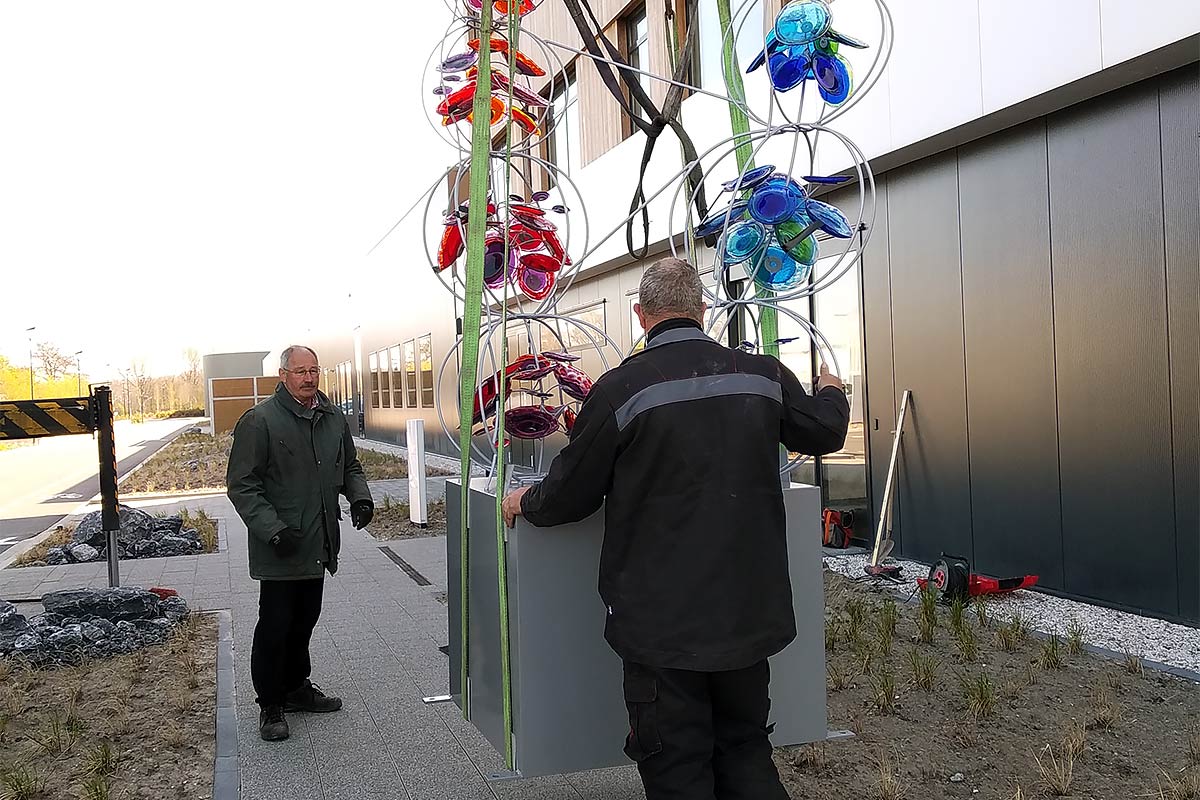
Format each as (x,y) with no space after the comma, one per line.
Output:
(311,372)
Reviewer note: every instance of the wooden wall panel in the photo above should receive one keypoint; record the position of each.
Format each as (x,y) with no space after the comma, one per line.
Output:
(233,387)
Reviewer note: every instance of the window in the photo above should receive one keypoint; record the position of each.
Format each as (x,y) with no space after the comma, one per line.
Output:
(385,380)
(373,366)
(844,473)
(397,377)
(426,350)
(681,10)
(574,337)
(635,34)
(635,326)
(344,388)
(410,372)
(749,42)
(562,146)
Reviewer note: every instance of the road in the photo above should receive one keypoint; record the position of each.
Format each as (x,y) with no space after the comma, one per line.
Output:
(43,482)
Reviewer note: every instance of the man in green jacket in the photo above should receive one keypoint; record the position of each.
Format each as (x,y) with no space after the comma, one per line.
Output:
(292,456)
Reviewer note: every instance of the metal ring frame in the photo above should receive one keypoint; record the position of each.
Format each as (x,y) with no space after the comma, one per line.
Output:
(722,307)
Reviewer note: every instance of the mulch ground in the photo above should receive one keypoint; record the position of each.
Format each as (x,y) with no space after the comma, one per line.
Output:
(1101,729)
(140,725)
(391,521)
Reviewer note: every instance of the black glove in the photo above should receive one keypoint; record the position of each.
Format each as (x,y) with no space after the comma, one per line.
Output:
(286,542)
(361,512)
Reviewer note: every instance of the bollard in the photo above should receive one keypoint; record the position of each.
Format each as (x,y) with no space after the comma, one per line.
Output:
(418,496)
(110,513)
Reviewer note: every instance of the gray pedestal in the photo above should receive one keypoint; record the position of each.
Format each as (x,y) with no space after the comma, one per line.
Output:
(568,711)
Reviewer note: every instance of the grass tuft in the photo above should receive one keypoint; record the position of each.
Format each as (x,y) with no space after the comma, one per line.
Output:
(980,694)
(883,692)
(927,618)
(1075,638)
(1058,774)
(924,670)
(1051,656)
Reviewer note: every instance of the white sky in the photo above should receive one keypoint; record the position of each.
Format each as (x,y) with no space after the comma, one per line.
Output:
(201,174)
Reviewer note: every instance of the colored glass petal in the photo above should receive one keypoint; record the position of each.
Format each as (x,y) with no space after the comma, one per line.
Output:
(833,77)
(849,41)
(535,283)
(776,199)
(804,251)
(741,241)
(451,246)
(831,219)
(750,179)
(802,21)
(458,62)
(776,271)
(715,221)
(541,261)
(788,71)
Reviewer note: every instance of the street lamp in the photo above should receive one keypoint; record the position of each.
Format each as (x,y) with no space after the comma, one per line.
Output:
(29,336)
(78,374)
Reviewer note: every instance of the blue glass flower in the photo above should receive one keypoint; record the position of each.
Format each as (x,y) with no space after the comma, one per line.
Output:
(779,239)
(802,46)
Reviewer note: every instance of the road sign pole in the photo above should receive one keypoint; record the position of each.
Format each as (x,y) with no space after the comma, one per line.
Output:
(110,513)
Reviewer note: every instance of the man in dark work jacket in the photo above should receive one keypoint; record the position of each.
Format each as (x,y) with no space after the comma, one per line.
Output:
(681,444)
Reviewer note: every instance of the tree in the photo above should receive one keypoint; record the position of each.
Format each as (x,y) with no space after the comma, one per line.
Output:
(143,385)
(193,377)
(55,363)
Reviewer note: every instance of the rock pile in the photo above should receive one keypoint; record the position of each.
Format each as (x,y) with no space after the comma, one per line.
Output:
(141,535)
(92,623)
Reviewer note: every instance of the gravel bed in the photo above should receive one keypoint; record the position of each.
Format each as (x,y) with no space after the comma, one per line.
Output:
(1120,631)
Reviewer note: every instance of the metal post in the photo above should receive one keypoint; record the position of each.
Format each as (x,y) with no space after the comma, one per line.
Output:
(110,512)
(885,512)
(29,337)
(418,495)
(78,373)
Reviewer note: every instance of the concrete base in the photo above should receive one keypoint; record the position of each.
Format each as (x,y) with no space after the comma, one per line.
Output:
(568,713)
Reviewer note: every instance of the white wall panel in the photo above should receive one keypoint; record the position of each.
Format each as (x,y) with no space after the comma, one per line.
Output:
(1029,47)
(1132,28)
(934,73)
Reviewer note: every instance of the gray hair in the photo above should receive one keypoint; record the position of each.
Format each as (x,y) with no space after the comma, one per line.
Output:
(671,286)
(285,358)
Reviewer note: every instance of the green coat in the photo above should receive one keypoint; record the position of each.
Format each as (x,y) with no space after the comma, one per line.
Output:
(287,467)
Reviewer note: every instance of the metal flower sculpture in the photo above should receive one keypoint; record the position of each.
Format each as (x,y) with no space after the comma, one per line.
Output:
(529,253)
(457,103)
(771,227)
(802,46)
(535,421)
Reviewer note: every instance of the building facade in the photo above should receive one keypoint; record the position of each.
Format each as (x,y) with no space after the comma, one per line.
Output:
(1032,277)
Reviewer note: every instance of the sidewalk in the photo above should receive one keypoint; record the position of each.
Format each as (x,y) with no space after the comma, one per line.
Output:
(376,647)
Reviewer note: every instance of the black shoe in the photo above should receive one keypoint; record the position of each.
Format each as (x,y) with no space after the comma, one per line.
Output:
(309,697)
(272,725)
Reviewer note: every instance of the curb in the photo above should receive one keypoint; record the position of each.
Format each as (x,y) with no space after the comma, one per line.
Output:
(226,779)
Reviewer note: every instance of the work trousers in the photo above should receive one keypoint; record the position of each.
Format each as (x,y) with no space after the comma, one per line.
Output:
(287,613)
(701,735)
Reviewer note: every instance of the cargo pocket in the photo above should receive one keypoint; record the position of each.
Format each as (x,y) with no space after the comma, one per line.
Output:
(641,695)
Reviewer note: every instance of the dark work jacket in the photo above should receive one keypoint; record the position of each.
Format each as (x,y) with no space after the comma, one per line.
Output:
(288,465)
(681,444)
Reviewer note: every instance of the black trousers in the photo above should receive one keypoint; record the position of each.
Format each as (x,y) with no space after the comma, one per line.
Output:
(701,735)
(287,613)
